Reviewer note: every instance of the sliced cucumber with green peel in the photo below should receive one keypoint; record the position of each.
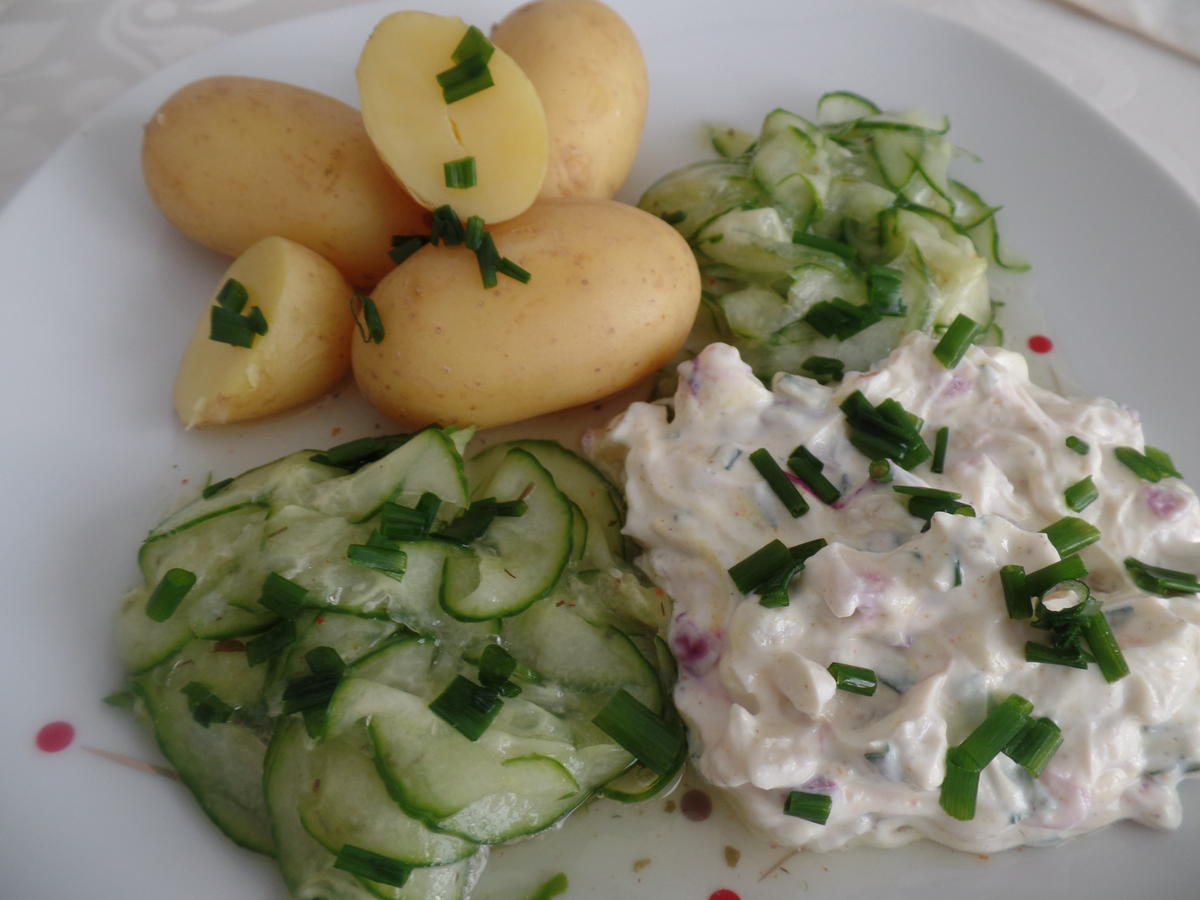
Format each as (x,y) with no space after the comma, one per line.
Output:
(520,559)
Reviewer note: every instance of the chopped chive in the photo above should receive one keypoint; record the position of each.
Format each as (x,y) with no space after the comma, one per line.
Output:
(808,806)
(227,327)
(404,523)
(940,443)
(788,494)
(1071,534)
(282,596)
(271,642)
(404,246)
(512,509)
(1105,650)
(1146,467)
(880,471)
(233,296)
(824,368)
(1055,656)
(1034,745)
(801,553)
(887,430)
(765,563)
(355,454)
(370,326)
(1003,722)
(884,294)
(257,321)
(1066,569)
(839,318)
(446,227)
(845,251)
(372,866)
(1161,459)
(1160,581)
(325,661)
(655,742)
(468,707)
(205,706)
(928,493)
(465,79)
(954,343)
(496,666)
(474,233)
(1079,446)
(459,173)
(1081,494)
(552,887)
(169,593)
(853,679)
(215,488)
(773,593)
(507,267)
(673,218)
(381,559)
(926,507)
(310,691)
(474,45)
(808,468)
(960,787)
(488,259)
(1016,592)
(471,523)
(958,573)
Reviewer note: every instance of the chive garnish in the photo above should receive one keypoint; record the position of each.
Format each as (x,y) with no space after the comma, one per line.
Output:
(1016,592)
(809,806)
(309,692)
(205,706)
(1153,465)
(885,431)
(551,888)
(487,257)
(824,368)
(928,493)
(779,483)
(774,592)
(371,866)
(1056,656)
(1081,494)
(1003,723)
(512,509)
(1161,459)
(281,596)
(960,787)
(233,296)
(459,173)
(1036,743)
(467,706)
(808,468)
(231,328)
(471,523)
(880,471)
(465,79)
(353,455)
(765,563)
(271,642)
(474,233)
(1105,650)
(404,246)
(1041,580)
(1079,446)
(854,679)
(370,326)
(215,488)
(507,267)
(1071,534)
(446,227)
(169,593)
(923,502)
(325,661)
(839,318)
(1160,581)
(884,294)
(474,45)
(657,743)
(256,320)
(382,559)
(958,337)
(845,251)
(409,523)
(496,666)
(940,443)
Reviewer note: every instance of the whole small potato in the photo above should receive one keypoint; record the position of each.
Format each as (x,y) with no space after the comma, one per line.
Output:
(303,355)
(588,69)
(232,160)
(612,295)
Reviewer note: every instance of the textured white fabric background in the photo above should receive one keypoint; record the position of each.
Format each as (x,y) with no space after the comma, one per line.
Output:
(61,60)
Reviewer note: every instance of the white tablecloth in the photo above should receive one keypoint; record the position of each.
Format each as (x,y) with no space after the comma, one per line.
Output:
(61,60)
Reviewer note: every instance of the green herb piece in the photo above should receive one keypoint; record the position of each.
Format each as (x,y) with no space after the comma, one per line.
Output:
(507,267)
(928,493)
(256,321)
(227,327)
(960,787)
(487,257)
(657,743)
(884,291)
(446,228)
(1079,446)
(1160,581)
(459,173)
(845,251)
(468,707)
(405,245)
(885,431)
(215,488)
(808,468)
(281,596)
(512,509)
(808,806)
(382,559)
(880,471)
(471,524)
(854,679)
(372,866)
(1003,723)
(353,455)
(940,443)
(370,326)
(409,523)
(169,593)
(1161,459)
(924,502)
(205,706)
(551,888)
(233,296)
(310,692)
(1016,592)
(474,45)
(496,666)
(1041,580)
(954,343)
(1034,745)
(769,561)
(1071,534)
(474,233)
(271,642)
(1153,465)
(824,368)
(779,483)
(1056,656)
(839,318)
(1081,494)
(465,79)
(325,661)
(1103,644)
(774,592)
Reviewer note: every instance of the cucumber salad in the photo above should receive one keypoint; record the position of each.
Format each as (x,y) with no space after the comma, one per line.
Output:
(375,662)
(821,244)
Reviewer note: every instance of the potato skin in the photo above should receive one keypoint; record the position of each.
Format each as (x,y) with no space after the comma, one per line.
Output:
(612,296)
(231,160)
(303,355)
(589,71)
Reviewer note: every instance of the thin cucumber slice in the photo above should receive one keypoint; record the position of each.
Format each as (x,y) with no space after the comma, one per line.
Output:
(579,532)
(897,155)
(729,142)
(222,764)
(692,196)
(519,560)
(756,241)
(405,664)
(345,801)
(843,106)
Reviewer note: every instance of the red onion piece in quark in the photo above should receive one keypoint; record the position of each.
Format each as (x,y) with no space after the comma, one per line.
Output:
(695,649)
(1164,502)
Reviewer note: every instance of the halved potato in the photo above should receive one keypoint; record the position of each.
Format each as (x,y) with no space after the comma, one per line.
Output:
(305,352)
(416,132)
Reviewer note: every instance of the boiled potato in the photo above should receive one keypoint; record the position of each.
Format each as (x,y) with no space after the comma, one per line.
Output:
(304,353)
(232,160)
(613,293)
(588,69)
(416,132)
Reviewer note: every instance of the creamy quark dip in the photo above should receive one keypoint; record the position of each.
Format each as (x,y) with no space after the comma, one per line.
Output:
(923,608)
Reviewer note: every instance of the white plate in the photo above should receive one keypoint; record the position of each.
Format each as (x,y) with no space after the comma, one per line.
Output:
(100,296)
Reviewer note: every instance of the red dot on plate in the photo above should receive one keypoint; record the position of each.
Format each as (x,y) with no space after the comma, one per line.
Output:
(55,736)
(1039,343)
(724,894)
